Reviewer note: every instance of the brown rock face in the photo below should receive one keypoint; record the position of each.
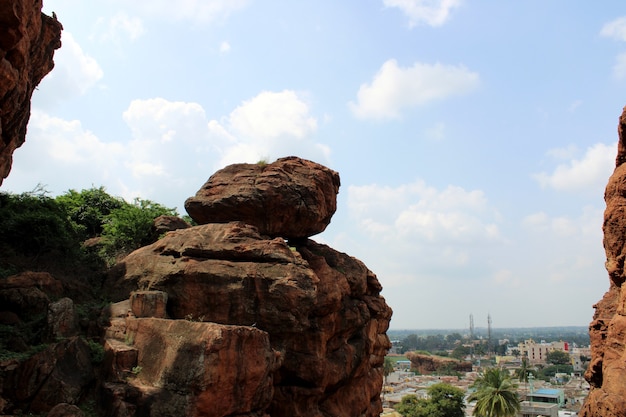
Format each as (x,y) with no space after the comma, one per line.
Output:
(194,369)
(607,371)
(290,198)
(320,309)
(28,39)
(428,364)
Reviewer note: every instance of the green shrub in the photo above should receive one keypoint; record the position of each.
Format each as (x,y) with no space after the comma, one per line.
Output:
(97,352)
(88,209)
(34,224)
(130,227)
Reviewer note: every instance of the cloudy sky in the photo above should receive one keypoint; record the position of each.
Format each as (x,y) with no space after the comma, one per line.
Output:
(473,138)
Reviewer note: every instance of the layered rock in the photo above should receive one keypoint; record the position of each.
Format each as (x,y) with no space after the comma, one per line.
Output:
(607,371)
(28,39)
(290,198)
(320,310)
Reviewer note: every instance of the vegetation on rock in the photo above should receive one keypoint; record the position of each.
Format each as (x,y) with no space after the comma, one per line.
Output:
(44,233)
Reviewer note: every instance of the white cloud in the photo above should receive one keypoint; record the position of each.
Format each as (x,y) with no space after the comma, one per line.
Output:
(119,28)
(423,215)
(270,115)
(395,88)
(173,140)
(431,12)
(224,47)
(590,172)
(173,147)
(73,75)
(161,119)
(619,69)
(615,29)
(60,149)
(201,11)
(586,225)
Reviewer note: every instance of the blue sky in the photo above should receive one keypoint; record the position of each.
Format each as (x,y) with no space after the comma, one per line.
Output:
(473,138)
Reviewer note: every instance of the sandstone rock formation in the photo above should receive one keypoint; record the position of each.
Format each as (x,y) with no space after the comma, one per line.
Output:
(287,329)
(28,39)
(289,198)
(61,373)
(607,371)
(428,364)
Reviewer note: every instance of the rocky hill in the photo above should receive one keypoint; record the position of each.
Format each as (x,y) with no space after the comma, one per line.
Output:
(229,318)
(226,318)
(607,371)
(426,364)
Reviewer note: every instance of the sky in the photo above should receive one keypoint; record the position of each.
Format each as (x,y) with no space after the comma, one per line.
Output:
(473,139)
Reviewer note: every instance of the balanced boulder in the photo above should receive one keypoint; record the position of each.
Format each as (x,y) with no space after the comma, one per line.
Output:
(291,198)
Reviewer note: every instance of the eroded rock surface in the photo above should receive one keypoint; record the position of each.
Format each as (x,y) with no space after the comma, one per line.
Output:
(321,310)
(179,367)
(607,371)
(428,364)
(28,39)
(290,198)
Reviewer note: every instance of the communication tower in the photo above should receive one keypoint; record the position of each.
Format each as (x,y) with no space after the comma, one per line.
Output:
(489,332)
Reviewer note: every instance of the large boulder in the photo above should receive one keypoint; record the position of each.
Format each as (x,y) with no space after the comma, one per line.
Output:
(321,309)
(290,198)
(28,39)
(607,371)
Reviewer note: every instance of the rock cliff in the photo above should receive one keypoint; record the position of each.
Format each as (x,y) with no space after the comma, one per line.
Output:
(28,39)
(281,328)
(607,371)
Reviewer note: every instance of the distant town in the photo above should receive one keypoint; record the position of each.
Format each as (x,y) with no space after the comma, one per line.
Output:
(546,365)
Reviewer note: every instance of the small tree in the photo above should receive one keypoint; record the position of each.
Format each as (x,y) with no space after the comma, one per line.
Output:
(129,227)
(444,401)
(558,357)
(387,368)
(88,209)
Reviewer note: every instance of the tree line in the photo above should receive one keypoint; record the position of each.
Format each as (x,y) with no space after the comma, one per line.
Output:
(78,229)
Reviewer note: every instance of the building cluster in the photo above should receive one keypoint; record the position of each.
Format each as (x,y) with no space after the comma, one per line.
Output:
(560,397)
(536,353)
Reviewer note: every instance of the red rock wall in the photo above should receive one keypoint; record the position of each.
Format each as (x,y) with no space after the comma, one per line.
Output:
(607,370)
(321,310)
(28,39)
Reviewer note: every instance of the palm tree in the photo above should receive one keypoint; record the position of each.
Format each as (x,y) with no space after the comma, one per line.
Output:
(496,395)
(522,372)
